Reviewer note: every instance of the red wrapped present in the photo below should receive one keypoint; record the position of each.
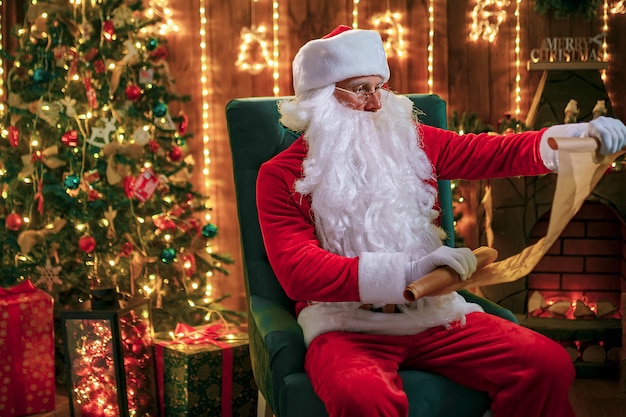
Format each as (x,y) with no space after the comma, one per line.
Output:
(27,383)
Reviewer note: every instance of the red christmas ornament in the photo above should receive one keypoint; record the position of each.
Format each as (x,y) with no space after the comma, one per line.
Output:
(14,222)
(126,249)
(133,92)
(183,124)
(90,54)
(108,30)
(129,186)
(154,146)
(98,65)
(14,136)
(87,244)
(175,154)
(159,53)
(70,138)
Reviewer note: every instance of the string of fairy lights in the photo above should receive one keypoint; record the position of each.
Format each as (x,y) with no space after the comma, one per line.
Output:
(2,94)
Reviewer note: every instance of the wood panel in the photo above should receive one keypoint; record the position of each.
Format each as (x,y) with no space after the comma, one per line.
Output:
(471,76)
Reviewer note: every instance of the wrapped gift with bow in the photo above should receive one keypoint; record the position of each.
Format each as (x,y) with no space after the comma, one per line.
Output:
(205,371)
(27,384)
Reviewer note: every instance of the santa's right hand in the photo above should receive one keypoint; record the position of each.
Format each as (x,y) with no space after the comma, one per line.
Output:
(461,260)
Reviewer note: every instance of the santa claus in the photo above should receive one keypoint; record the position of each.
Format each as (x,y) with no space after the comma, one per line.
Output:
(349,218)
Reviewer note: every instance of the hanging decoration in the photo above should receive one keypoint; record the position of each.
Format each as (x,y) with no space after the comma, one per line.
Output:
(254,56)
(389,26)
(619,7)
(487,16)
(563,8)
(276,46)
(253,39)
(518,76)
(431,44)
(355,14)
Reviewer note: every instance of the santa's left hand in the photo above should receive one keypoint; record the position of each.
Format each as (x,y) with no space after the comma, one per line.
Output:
(611,133)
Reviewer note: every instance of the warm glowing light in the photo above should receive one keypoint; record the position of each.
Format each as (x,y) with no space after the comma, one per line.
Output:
(204,80)
(518,90)
(1,63)
(160,9)
(275,54)
(388,24)
(487,16)
(619,7)
(431,43)
(605,31)
(355,14)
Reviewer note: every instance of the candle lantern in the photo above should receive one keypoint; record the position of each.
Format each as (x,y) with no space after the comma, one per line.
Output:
(109,357)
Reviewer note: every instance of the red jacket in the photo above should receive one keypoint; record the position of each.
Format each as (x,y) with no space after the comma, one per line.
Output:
(308,272)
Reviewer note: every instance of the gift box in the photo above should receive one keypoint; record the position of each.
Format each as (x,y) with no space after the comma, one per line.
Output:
(27,384)
(206,376)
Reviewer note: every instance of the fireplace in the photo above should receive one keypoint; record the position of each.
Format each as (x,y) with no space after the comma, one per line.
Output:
(577,293)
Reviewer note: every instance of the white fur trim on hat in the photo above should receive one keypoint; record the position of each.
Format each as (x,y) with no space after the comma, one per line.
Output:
(351,53)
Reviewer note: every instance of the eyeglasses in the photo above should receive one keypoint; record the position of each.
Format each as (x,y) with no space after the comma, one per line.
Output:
(362,92)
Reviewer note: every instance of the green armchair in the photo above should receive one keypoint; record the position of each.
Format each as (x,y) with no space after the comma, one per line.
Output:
(276,343)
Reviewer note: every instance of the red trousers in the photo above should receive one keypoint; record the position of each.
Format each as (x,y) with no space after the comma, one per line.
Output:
(524,373)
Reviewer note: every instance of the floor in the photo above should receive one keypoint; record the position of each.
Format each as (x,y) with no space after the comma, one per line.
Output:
(589,397)
(598,398)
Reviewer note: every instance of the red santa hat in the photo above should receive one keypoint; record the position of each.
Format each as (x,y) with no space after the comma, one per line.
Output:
(344,53)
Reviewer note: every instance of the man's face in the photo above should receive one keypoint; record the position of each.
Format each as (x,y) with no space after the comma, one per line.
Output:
(360,93)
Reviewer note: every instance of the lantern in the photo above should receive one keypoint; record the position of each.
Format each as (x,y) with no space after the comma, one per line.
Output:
(109,357)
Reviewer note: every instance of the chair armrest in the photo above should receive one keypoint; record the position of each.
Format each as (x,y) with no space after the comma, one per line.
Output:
(489,306)
(283,344)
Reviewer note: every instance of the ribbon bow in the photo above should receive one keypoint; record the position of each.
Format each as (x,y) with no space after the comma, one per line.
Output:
(46,157)
(189,335)
(29,238)
(115,148)
(25,286)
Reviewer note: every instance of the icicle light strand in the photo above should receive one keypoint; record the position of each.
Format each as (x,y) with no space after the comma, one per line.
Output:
(276,54)
(605,30)
(2,94)
(518,90)
(204,81)
(355,14)
(431,43)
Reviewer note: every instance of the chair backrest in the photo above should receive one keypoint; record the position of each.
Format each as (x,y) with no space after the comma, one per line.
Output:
(256,135)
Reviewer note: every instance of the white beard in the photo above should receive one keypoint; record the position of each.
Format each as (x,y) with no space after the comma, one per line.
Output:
(366,175)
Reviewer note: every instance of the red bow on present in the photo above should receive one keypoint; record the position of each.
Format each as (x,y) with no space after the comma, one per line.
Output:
(25,286)
(189,335)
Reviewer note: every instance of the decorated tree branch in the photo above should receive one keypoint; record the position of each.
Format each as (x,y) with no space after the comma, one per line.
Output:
(95,170)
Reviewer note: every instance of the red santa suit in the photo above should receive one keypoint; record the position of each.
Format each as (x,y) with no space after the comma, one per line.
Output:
(446,335)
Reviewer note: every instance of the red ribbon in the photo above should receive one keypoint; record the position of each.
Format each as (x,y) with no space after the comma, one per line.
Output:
(189,335)
(15,349)
(25,286)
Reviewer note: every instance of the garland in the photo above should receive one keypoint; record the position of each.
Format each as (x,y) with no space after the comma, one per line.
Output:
(563,8)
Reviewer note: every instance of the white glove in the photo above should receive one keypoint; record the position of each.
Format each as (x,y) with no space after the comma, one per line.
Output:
(611,133)
(461,260)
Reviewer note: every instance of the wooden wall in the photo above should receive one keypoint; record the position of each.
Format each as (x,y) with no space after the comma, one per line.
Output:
(471,76)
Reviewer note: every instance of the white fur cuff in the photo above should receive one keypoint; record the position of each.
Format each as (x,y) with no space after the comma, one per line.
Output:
(548,155)
(382,277)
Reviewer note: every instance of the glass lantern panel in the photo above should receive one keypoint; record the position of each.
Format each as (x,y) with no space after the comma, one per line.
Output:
(93,378)
(137,350)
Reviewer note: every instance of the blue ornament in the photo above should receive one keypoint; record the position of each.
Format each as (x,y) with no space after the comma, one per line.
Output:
(209,231)
(168,255)
(152,44)
(159,109)
(72,182)
(40,75)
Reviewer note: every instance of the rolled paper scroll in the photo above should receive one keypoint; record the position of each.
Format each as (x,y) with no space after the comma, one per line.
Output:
(580,168)
(438,281)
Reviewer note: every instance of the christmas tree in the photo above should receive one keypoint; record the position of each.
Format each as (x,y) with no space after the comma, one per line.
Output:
(95,169)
